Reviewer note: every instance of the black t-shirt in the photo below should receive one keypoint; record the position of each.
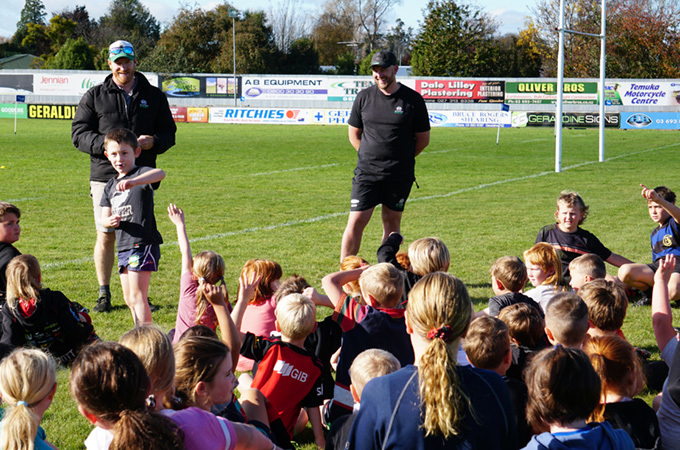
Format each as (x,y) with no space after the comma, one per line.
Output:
(572,245)
(135,206)
(501,301)
(387,149)
(7,252)
(637,418)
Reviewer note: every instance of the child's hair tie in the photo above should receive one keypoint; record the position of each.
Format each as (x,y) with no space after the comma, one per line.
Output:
(22,403)
(201,280)
(445,333)
(151,402)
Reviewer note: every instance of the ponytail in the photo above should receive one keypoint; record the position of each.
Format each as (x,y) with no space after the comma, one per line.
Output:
(138,429)
(207,265)
(27,377)
(439,310)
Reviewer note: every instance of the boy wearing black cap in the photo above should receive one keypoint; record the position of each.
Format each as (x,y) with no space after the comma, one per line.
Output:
(389,126)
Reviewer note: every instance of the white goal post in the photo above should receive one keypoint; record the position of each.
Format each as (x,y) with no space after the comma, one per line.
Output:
(560,83)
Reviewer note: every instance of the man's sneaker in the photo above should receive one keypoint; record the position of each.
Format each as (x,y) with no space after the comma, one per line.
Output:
(152,307)
(103,304)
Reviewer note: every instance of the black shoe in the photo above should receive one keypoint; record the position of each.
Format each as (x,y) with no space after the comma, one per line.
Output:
(152,307)
(643,301)
(103,304)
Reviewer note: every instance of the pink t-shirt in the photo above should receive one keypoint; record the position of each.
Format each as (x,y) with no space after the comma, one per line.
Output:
(260,320)
(186,310)
(203,429)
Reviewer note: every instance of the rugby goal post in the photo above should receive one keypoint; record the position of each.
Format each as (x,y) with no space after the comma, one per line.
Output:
(560,83)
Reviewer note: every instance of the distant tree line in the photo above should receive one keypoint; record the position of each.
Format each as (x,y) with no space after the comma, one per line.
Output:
(455,38)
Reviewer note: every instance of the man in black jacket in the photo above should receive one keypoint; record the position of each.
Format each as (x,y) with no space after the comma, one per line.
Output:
(125,99)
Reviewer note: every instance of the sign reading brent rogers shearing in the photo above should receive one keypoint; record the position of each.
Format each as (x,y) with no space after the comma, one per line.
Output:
(545,92)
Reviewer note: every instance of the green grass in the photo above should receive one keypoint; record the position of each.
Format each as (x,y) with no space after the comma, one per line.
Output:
(282,193)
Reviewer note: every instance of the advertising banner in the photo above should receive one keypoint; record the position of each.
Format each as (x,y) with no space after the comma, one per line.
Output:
(470,118)
(200,86)
(645,93)
(545,93)
(328,116)
(66,84)
(285,88)
(179,113)
(461,91)
(259,115)
(59,112)
(650,121)
(346,89)
(197,115)
(16,84)
(547,119)
(7,110)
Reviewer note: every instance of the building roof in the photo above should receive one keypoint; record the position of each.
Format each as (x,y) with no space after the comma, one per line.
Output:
(22,61)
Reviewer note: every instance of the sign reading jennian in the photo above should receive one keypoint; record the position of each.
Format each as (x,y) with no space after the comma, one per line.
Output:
(73,84)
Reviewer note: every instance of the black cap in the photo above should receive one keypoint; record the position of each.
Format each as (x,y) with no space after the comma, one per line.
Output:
(384,58)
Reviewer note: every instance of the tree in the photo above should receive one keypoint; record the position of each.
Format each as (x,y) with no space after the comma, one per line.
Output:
(337,25)
(84,26)
(45,41)
(371,17)
(129,20)
(398,41)
(642,37)
(75,54)
(454,41)
(301,58)
(33,12)
(287,23)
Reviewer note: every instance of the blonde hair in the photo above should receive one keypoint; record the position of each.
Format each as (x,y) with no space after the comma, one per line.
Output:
(428,255)
(589,264)
(573,200)
(207,265)
(296,315)
(614,359)
(545,256)
(383,282)
(26,375)
(511,271)
(349,263)
(369,364)
(23,280)
(153,347)
(440,303)
(268,271)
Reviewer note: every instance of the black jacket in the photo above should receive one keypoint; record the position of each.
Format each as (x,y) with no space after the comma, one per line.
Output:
(103,109)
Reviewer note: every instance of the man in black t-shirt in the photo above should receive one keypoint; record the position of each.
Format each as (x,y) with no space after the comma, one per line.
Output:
(389,126)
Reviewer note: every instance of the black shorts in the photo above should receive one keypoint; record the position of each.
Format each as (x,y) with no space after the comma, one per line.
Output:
(367,194)
(655,265)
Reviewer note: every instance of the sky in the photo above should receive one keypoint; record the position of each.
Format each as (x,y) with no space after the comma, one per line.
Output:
(510,15)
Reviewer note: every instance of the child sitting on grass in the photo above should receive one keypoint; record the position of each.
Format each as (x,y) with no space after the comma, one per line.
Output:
(10,230)
(607,304)
(665,240)
(586,268)
(620,371)
(290,377)
(425,255)
(378,324)
(544,270)
(564,390)
(28,382)
(205,268)
(526,328)
(259,318)
(39,317)
(566,320)
(508,277)
(487,345)
(569,239)
(367,365)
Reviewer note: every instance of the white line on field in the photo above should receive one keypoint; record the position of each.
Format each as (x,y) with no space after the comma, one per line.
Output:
(533,140)
(19,200)
(344,213)
(293,170)
(442,151)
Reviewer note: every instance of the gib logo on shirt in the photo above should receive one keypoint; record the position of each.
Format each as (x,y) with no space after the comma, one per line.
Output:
(287,370)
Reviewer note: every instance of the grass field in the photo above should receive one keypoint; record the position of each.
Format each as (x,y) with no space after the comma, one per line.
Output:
(282,193)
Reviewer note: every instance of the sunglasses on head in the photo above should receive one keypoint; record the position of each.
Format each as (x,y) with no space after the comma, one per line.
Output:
(125,49)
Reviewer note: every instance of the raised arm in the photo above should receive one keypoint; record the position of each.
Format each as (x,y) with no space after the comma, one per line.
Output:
(334,282)
(317,298)
(176,216)
(230,334)
(662,315)
(246,292)
(671,208)
(355,136)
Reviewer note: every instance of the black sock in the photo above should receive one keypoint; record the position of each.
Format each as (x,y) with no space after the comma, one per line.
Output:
(104,290)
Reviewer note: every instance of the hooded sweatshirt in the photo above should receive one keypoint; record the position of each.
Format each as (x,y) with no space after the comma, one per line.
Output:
(595,436)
